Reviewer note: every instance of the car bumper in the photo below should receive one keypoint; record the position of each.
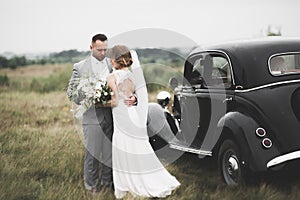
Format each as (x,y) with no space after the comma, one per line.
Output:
(283,158)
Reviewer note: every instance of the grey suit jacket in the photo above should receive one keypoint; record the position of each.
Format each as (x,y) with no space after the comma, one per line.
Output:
(92,115)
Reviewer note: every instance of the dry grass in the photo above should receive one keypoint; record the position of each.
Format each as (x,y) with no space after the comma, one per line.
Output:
(41,157)
(34,71)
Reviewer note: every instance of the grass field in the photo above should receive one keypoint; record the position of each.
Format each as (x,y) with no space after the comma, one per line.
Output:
(41,154)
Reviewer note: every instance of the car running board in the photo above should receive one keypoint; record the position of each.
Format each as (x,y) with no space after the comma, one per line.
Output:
(189,149)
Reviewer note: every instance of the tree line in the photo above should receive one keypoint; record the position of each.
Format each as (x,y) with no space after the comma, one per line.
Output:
(13,62)
(172,56)
(60,57)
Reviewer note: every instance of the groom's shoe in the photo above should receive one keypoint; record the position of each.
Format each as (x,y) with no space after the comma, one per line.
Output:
(94,191)
(109,187)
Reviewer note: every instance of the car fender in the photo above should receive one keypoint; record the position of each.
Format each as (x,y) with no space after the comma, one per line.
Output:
(242,128)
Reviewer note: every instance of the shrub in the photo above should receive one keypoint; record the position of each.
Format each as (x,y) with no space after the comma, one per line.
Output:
(55,82)
(4,81)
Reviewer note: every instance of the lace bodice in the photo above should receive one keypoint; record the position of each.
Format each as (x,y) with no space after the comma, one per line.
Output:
(124,83)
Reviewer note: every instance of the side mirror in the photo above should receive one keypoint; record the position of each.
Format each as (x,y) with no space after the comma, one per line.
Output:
(173,83)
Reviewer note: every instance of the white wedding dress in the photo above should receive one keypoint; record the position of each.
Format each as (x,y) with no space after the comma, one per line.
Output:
(136,168)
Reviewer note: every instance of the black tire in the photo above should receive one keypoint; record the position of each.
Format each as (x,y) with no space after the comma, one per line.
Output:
(229,163)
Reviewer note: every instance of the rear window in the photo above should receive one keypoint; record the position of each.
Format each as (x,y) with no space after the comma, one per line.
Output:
(284,64)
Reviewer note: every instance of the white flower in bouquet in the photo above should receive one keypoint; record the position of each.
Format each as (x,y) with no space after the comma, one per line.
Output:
(88,92)
(103,93)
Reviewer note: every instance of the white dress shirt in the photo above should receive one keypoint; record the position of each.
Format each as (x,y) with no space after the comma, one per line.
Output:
(100,68)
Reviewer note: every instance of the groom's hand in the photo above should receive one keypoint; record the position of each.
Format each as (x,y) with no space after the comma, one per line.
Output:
(130,101)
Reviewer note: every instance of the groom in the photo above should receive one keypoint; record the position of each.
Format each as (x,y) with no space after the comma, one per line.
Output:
(97,121)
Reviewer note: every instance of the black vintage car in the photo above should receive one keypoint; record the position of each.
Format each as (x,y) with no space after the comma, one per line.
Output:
(240,102)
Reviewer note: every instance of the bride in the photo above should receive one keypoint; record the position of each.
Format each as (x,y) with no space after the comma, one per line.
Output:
(136,168)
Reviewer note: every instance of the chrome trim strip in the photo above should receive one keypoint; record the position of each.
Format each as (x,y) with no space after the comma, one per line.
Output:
(266,86)
(283,158)
(191,150)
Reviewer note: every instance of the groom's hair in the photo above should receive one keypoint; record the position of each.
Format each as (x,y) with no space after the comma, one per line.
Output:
(100,37)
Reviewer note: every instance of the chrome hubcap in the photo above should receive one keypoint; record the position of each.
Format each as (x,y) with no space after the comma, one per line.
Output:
(233,166)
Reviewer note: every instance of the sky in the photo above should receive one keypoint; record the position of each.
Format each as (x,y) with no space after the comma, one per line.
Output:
(33,26)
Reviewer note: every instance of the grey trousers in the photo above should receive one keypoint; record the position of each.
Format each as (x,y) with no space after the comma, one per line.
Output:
(98,148)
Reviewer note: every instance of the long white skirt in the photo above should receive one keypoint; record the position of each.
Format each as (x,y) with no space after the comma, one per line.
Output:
(136,168)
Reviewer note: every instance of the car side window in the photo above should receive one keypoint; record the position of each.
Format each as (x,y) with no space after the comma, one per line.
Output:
(211,70)
(284,64)
(196,76)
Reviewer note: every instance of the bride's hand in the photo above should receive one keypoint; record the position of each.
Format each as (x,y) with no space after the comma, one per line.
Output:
(130,101)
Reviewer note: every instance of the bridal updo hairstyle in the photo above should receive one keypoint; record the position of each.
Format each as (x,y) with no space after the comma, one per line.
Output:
(121,55)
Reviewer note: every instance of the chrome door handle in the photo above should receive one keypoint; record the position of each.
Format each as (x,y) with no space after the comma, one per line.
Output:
(227,99)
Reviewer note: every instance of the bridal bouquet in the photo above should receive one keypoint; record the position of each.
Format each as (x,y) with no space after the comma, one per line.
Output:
(88,92)
(103,93)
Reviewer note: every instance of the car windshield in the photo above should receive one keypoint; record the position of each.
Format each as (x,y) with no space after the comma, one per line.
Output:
(284,64)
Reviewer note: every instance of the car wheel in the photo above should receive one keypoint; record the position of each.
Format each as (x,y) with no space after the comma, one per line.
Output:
(229,162)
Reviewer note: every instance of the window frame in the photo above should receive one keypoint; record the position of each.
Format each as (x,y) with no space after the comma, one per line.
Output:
(214,53)
(278,55)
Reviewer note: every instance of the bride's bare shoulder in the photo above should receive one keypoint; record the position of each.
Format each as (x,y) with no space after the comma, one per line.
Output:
(111,77)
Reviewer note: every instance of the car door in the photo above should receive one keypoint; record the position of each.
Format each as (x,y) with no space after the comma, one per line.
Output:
(204,98)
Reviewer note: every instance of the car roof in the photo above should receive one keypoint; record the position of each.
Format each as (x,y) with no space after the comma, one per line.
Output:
(249,58)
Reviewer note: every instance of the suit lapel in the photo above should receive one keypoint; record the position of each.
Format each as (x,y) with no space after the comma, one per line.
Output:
(108,65)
